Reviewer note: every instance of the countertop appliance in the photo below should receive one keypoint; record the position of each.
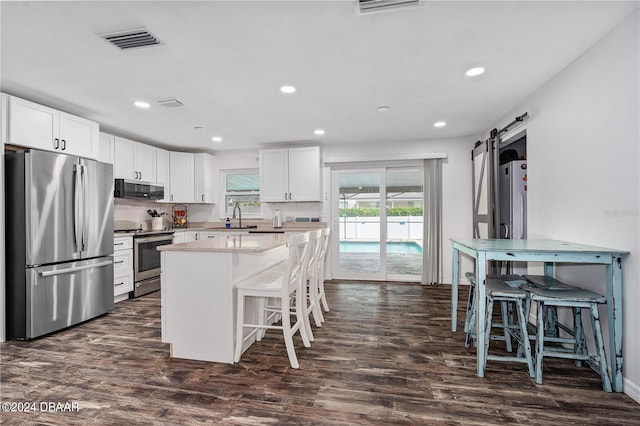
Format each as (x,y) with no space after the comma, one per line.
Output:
(59,228)
(146,260)
(124,188)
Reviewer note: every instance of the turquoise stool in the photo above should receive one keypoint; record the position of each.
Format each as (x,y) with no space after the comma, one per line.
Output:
(469,323)
(499,291)
(577,299)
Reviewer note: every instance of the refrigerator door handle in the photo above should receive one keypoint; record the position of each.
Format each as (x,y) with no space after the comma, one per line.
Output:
(77,211)
(522,224)
(506,230)
(75,269)
(85,216)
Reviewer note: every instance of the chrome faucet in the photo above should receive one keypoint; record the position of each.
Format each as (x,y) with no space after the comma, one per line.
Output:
(239,215)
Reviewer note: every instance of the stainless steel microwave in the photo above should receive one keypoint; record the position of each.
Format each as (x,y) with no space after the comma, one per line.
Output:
(125,188)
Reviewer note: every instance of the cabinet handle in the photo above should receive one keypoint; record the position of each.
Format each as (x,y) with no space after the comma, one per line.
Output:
(290,197)
(119,261)
(119,284)
(196,237)
(211,236)
(64,144)
(202,197)
(285,195)
(56,143)
(140,175)
(118,244)
(171,197)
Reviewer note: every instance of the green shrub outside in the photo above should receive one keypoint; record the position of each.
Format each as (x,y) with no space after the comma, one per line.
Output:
(375,212)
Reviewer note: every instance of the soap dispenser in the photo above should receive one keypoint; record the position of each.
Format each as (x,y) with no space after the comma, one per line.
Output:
(228,223)
(277,219)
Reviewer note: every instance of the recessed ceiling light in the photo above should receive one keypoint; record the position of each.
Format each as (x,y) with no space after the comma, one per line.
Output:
(383,108)
(141,104)
(319,132)
(216,139)
(287,89)
(475,71)
(439,124)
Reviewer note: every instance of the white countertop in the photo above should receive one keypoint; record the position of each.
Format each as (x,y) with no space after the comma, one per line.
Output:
(234,243)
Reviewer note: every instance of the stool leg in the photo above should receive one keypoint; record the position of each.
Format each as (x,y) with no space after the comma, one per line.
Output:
(262,320)
(487,331)
(580,345)
(539,341)
(239,326)
(602,359)
(471,327)
(524,337)
(470,302)
(551,323)
(504,311)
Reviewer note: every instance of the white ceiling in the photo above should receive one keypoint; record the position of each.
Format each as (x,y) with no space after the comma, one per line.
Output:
(225,60)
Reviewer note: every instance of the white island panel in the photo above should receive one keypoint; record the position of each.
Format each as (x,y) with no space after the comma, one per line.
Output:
(199,296)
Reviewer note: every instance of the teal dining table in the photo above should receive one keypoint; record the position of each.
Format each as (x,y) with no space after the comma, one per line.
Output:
(550,252)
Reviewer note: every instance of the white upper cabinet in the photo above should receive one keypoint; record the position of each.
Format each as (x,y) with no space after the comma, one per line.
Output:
(134,160)
(162,172)
(106,148)
(204,179)
(181,174)
(37,126)
(291,174)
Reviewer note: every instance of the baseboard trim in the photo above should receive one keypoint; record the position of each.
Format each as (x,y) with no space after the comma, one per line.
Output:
(632,390)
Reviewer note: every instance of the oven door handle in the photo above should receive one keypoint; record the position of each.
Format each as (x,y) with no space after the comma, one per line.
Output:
(153,239)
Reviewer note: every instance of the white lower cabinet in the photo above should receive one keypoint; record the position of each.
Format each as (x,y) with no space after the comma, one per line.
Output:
(122,268)
(203,235)
(198,235)
(178,237)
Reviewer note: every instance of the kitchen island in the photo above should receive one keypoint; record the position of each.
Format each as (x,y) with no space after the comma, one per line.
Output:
(198,294)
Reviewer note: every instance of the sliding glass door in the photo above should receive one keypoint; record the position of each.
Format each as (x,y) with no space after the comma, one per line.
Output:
(379,216)
(405,223)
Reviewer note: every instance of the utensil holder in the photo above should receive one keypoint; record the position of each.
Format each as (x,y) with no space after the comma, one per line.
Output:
(156,224)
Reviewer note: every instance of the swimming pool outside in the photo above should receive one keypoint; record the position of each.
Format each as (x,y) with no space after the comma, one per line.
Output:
(393,247)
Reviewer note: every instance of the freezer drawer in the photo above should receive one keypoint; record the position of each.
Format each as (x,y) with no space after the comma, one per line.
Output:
(65,294)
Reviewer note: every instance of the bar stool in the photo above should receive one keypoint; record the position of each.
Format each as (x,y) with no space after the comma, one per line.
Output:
(311,278)
(577,299)
(326,233)
(274,284)
(499,290)
(512,280)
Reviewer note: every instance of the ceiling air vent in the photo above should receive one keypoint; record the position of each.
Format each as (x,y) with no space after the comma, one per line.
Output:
(366,6)
(132,39)
(170,103)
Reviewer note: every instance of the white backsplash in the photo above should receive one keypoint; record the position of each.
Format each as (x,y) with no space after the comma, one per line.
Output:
(129,213)
(292,210)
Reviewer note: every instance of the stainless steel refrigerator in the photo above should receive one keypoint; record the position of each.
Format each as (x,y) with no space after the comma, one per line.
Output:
(59,241)
(513,206)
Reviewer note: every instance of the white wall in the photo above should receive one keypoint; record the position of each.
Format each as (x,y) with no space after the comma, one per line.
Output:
(583,161)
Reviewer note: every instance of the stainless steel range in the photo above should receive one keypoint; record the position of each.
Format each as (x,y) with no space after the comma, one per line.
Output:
(146,259)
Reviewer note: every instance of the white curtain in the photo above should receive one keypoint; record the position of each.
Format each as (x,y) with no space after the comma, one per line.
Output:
(432,237)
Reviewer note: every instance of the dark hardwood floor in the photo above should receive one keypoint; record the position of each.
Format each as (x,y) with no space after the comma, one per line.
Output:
(385,355)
